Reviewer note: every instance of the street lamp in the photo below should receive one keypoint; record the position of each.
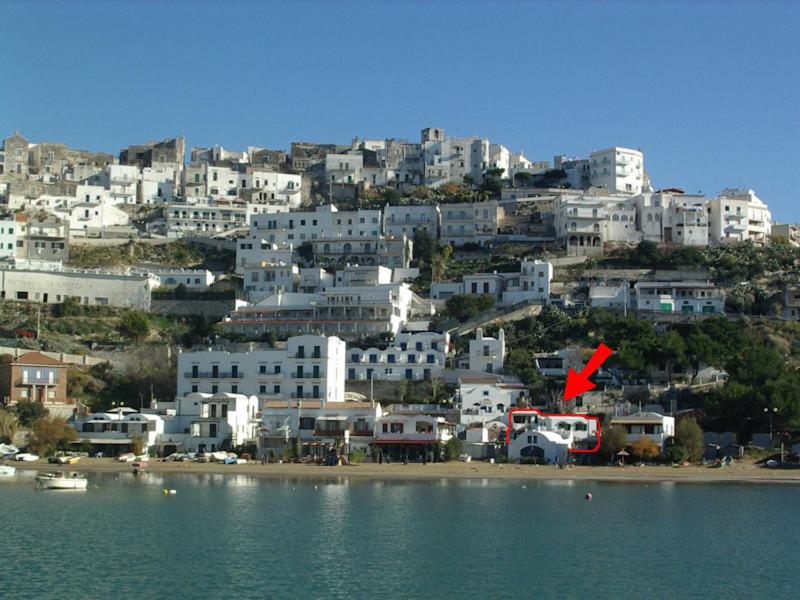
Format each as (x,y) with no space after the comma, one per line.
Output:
(770,412)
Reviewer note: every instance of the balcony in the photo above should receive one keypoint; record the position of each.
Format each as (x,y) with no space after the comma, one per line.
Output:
(36,381)
(304,375)
(337,432)
(212,375)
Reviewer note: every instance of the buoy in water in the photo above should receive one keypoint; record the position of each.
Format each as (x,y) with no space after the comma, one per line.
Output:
(589,496)
(167,492)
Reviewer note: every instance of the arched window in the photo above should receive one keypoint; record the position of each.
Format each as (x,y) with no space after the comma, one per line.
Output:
(348,248)
(594,212)
(596,227)
(573,226)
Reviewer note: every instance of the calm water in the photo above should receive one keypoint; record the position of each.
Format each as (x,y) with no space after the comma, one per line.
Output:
(241,537)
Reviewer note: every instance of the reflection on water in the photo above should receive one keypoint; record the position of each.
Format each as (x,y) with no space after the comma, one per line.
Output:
(241,536)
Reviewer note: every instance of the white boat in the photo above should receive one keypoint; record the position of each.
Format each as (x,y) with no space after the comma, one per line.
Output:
(27,457)
(8,451)
(7,470)
(219,456)
(127,457)
(60,481)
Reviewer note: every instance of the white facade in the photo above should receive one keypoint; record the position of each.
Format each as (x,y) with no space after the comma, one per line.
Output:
(119,428)
(483,400)
(90,287)
(309,366)
(618,170)
(9,229)
(548,438)
(449,160)
(737,215)
(532,282)
(654,426)
(348,312)
(701,297)
(403,428)
(312,421)
(672,218)
(199,422)
(487,354)
(85,218)
(191,278)
(474,222)
(408,219)
(200,216)
(413,356)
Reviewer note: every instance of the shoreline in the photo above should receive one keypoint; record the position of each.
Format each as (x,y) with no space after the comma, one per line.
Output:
(737,473)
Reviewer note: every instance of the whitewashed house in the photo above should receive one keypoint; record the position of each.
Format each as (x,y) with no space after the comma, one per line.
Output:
(481,400)
(408,219)
(114,432)
(412,356)
(701,297)
(738,215)
(654,426)
(487,354)
(549,438)
(309,366)
(618,170)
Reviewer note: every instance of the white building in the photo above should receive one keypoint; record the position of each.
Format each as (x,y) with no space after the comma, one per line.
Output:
(481,400)
(654,426)
(90,287)
(612,297)
(201,216)
(9,229)
(348,312)
(318,425)
(487,354)
(473,222)
(191,278)
(548,438)
(672,217)
(309,366)
(701,297)
(738,215)
(413,356)
(113,432)
(199,422)
(618,170)
(325,222)
(86,218)
(408,219)
(531,282)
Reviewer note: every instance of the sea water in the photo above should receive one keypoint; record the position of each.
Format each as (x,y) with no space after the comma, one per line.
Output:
(227,536)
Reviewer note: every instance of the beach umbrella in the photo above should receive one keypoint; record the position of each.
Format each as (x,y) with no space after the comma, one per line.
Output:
(623,454)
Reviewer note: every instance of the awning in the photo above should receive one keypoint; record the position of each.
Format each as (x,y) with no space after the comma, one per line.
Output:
(333,418)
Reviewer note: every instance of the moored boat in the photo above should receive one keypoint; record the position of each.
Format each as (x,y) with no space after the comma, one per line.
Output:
(26,457)
(62,481)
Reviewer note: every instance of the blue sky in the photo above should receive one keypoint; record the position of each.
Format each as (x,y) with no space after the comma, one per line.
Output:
(709,90)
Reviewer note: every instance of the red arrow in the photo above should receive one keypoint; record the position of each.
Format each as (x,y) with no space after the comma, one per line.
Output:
(578,383)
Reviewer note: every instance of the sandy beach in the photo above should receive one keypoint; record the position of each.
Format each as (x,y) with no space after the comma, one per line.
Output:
(737,473)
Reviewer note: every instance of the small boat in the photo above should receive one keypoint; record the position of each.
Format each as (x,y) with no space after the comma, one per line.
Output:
(8,451)
(229,460)
(61,481)
(127,457)
(26,456)
(67,460)
(7,470)
(219,456)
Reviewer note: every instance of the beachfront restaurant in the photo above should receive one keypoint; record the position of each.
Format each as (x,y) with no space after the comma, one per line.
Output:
(414,438)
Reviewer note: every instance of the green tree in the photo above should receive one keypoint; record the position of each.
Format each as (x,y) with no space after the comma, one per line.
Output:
(613,439)
(49,434)
(689,436)
(137,444)
(9,425)
(306,252)
(701,350)
(134,325)
(29,412)
(424,246)
(453,448)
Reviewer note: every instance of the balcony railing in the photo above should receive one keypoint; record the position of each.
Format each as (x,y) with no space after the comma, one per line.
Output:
(212,375)
(339,432)
(36,381)
(299,375)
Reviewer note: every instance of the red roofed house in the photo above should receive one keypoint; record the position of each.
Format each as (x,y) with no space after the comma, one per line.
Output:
(32,377)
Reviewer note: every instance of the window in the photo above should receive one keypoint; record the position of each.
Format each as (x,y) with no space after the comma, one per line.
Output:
(214,389)
(396,427)
(424,427)
(277,369)
(306,422)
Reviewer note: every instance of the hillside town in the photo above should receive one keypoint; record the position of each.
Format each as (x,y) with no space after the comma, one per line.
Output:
(391,300)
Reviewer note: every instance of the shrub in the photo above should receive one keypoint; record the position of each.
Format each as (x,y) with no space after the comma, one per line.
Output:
(357,456)
(645,449)
(676,454)
(29,412)
(9,424)
(137,444)
(49,434)
(689,436)
(134,325)
(453,448)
